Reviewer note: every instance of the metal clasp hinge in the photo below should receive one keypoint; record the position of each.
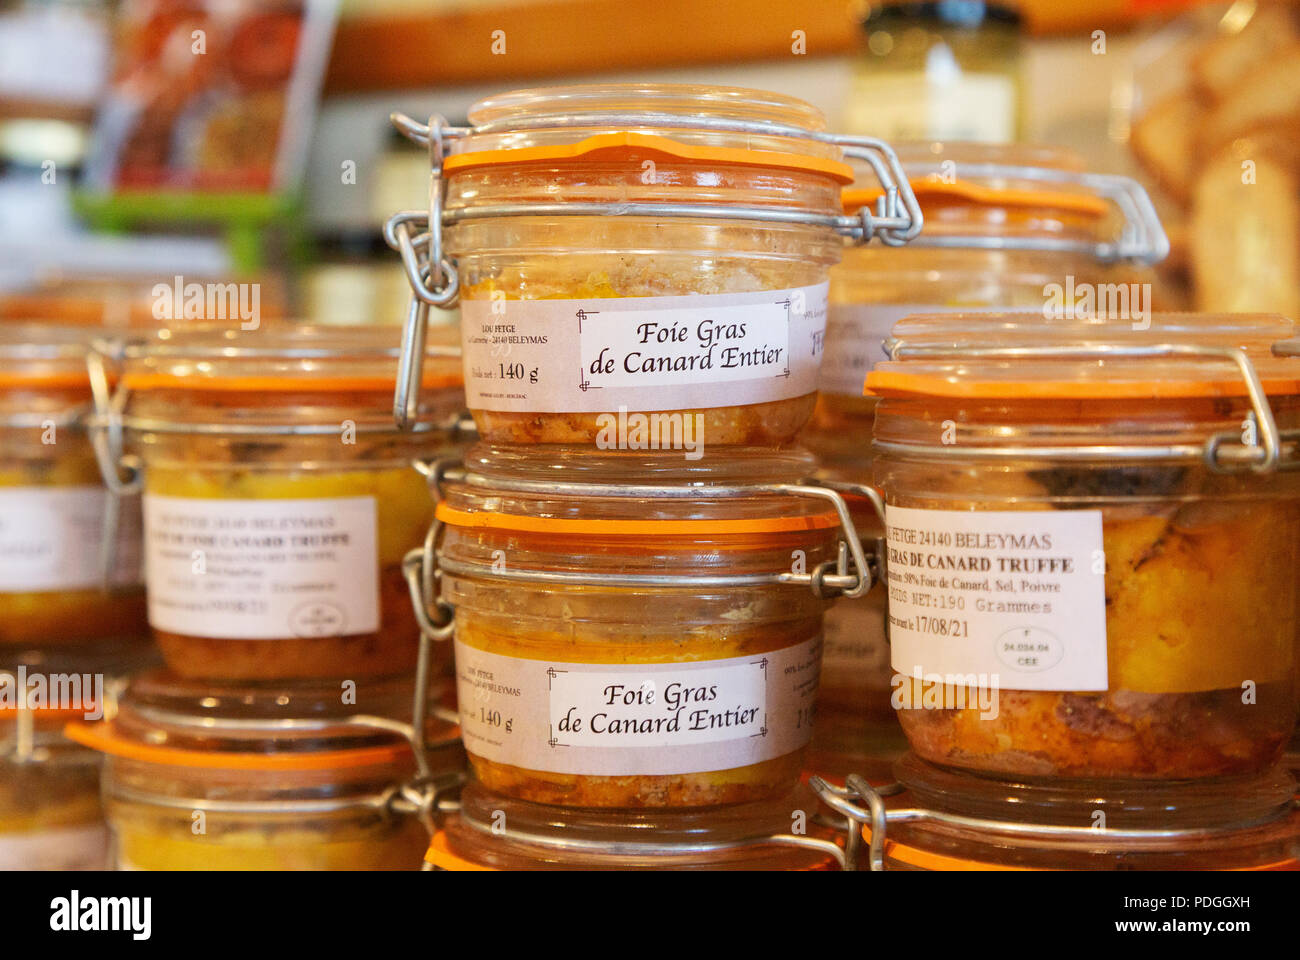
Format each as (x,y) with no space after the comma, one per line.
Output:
(122,473)
(861,805)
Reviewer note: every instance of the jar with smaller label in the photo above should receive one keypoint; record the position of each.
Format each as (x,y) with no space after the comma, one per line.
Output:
(653,248)
(646,631)
(279,497)
(58,584)
(936,819)
(204,776)
(50,816)
(1007,227)
(491,832)
(1092,530)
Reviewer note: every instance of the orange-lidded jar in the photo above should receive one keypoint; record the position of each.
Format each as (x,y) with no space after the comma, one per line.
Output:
(1291,349)
(1007,228)
(932,818)
(491,832)
(655,247)
(206,776)
(50,816)
(1092,530)
(642,632)
(279,498)
(58,586)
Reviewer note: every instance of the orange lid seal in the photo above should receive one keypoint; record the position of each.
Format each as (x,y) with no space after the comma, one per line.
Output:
(105,738)
(440,855)
(965,191)
(626,144)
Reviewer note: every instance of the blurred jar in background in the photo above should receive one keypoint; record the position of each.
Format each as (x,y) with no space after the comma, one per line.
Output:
(280,777)
(272,454)
(944,71)
(50,816)
(55,513)
(1006,227)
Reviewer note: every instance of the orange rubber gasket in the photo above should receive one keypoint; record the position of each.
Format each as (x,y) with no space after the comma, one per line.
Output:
(621,145)
(57,381)
(885,383)
(1085,203)
(925,860)
(598,527)
(103,737)
(142,382)
(440,855)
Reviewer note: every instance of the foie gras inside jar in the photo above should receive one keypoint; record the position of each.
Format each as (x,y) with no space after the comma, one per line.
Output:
(1088,615)
(279,499)
(54,589)
(692,685)
(215,776)
(566,319)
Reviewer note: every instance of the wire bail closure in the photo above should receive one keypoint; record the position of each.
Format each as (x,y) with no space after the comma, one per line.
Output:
(435,280)
(1141,236)
(862,805)
(850,575)
(1222,453)
(120,471)
(561,844)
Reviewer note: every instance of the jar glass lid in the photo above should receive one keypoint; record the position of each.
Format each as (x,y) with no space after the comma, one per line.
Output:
(168,720)
(589,492)
(490,831)
(1023,197)
(706,123)
(44,355)
(1027,356)
(281,357)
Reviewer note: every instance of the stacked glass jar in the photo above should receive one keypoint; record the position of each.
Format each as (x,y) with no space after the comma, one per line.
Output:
(1291,348)
(1006,228)
(1091,529)
(633,563)
(278,500)
(71,606)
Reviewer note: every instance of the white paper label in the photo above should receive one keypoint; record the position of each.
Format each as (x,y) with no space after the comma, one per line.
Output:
(1017,598)
(856,646)
(634,719)
(64,848)
(50,539)
(855,341)
(262,569)
(642,353)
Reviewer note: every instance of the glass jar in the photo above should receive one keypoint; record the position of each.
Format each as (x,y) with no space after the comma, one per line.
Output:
(50,817)
(938,71)
(641,634)
(201,776)
(1006,228)
(279,498)
(1291,349)
(1091,548)
(935,819)
(654,248)
(489,832)
(55,586)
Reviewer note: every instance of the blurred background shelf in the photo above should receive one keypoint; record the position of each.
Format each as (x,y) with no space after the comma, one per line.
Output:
(404,45)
